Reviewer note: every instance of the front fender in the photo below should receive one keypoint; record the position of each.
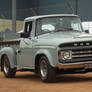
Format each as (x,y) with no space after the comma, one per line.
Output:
(51,54)
(11,53)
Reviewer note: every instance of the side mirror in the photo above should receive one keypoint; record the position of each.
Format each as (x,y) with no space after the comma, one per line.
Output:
(24,35)
(87,31)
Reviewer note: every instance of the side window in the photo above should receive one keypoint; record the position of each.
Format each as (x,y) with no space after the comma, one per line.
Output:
(28,27)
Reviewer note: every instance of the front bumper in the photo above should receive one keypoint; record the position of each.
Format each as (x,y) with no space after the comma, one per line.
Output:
(85,65)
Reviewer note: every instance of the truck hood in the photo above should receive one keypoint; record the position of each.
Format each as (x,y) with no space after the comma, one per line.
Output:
(57,38)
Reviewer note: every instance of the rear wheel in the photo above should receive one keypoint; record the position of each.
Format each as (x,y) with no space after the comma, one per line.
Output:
(7,70)
(47,73)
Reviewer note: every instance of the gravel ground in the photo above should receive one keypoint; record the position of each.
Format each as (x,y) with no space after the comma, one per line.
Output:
(28,82)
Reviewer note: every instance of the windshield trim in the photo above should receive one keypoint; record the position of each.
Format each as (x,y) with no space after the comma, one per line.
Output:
(55,17)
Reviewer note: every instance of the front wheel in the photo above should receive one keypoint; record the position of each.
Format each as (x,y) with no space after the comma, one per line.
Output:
(47,72)
(7,70)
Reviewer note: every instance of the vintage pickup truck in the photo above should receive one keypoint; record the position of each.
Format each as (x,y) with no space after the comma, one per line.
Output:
(48,45)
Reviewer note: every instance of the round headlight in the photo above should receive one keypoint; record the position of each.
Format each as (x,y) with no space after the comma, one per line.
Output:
(66,55)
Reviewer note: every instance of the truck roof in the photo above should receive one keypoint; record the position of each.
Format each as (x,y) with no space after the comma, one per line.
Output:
(52,15)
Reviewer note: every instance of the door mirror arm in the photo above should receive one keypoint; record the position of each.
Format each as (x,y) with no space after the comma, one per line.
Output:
(87,31)
(24,35)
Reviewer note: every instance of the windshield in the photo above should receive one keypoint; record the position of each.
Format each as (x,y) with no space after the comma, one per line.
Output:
(58,24)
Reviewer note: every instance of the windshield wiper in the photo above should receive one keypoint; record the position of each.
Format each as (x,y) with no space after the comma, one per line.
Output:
(69,28)
(60,30)
(63,29)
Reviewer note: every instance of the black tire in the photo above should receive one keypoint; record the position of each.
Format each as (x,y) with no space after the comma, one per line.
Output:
(47,73)
(7,70)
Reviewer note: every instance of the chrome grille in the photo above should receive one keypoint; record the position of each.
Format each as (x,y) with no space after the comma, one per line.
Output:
(81,54)
(81,51)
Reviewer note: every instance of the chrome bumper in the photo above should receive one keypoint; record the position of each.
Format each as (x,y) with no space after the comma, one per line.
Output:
(72,65)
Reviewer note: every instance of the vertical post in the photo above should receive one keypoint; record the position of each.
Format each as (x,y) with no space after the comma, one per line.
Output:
(14,15)
(37,7)
(76,7)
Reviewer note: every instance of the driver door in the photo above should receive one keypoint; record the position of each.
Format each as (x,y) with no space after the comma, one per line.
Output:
(26,54)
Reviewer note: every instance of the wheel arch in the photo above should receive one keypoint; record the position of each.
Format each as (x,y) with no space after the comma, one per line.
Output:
(47,54)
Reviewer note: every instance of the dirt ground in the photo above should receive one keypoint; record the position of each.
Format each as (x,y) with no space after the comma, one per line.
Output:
(28,82)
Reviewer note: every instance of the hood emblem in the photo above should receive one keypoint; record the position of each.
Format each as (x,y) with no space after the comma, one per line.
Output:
(87,44)
(81,44)
(75,44)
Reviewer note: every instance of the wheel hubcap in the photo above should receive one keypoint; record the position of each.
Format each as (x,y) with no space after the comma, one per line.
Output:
(43,68)
(6,68)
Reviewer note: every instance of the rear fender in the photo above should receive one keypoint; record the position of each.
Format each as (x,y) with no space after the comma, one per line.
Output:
(11,54)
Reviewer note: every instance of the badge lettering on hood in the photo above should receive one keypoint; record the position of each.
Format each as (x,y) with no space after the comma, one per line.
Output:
(82,44)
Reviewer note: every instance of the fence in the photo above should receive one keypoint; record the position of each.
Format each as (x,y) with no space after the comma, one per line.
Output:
(6,19)
(7,24)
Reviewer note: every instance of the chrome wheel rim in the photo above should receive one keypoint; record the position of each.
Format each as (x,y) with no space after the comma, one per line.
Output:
(6,67)
(43,68)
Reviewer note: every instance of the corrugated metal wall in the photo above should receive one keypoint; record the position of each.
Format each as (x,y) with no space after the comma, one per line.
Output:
(27,8)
